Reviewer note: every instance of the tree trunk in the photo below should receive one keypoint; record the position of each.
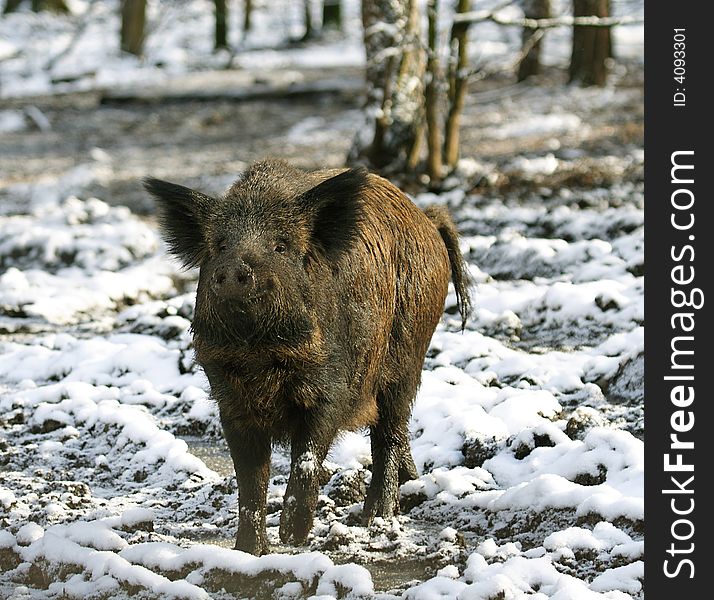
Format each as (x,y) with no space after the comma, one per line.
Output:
(394,73)
(308,20)
(221,40)
(531,38)
(59,6)
(332,14)
(133,19)
(247,14)
(11,6)
(434,164)
(591,45)
(457,85)
(610,47)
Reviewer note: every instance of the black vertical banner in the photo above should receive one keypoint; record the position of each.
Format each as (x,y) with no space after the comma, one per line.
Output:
(679,357)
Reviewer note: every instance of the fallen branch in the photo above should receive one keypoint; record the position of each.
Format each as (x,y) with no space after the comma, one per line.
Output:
(480,16)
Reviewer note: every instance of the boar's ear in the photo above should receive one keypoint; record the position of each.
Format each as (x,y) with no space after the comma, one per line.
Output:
(180,212)
(335,206)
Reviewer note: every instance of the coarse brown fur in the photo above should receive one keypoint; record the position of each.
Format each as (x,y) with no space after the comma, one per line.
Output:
(318,295)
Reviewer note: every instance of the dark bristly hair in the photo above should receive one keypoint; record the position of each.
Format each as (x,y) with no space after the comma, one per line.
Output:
(181,211)
(335,208)
(459,269)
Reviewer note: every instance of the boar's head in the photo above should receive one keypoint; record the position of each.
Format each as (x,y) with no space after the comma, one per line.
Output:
(266,249)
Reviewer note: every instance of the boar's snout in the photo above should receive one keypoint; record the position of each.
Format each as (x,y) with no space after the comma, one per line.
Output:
(233,278)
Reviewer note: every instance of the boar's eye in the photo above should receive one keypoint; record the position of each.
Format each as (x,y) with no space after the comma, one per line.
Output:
(280,247)
(222,246)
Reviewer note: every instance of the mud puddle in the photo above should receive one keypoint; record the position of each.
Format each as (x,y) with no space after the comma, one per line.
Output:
(388,574)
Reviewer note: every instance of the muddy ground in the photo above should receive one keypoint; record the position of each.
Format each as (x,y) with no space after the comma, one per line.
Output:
(206,136)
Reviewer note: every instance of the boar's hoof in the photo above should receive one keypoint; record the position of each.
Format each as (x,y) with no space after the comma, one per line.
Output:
(252,543)
(295,522)
(384,503)
(407,468)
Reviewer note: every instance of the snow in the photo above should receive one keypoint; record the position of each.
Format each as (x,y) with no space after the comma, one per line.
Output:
(603,536)
(134,516)
(627,578)
(550,124)
(6,497)
(115,477)
(126,380)
(353,577)
(67,261)
(11,120)
(28,533)
(54,548)
(41,54)
(476,389)
(7,540)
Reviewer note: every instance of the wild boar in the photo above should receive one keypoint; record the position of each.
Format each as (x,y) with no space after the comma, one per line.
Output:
(317,297)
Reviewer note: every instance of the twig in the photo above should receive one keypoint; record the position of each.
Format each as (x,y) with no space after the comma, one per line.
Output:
(480,74)
(75,38)
(533,39)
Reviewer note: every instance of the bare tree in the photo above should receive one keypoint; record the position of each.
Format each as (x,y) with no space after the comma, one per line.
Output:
(531,39)
(591,45)
(11,6)
(307,11)
(59,6)
(55,5)
(247,15)
(404,99)
(133,20)
(395,94)
(221,37)
(332,14)
(434,164)
(458,81)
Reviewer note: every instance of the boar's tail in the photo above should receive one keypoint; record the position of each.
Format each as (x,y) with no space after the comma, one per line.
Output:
(440,217)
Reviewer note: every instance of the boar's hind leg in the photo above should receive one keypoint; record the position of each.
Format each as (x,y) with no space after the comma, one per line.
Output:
(392,462)
(307,453)
(250,451)
(407,468)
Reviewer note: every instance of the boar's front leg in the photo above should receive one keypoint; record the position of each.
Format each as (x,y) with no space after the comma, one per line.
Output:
(307,453)
(392,464)
(250,451)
